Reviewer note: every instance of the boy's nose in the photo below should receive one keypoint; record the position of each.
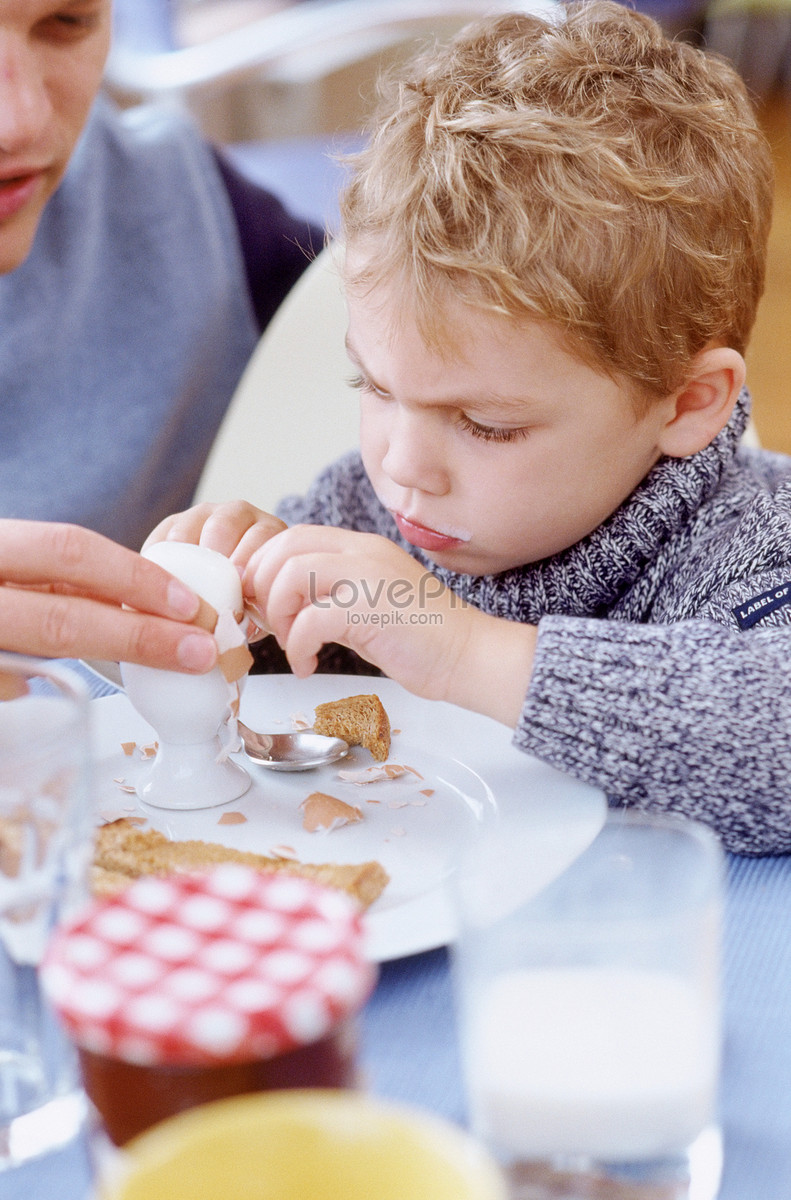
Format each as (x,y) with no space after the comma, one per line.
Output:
(414,454)
(24,103)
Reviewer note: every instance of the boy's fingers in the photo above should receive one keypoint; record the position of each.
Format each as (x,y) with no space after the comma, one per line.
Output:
(182,527)
(256,537)
(311,582)
(235,529)
(265,563)
(307,632)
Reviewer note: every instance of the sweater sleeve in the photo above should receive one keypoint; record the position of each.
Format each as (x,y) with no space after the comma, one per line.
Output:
(690,717)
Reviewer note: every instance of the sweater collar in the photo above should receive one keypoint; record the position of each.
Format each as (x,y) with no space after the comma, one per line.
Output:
(588,577)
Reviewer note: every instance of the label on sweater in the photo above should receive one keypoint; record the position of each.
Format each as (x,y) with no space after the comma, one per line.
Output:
(752,611)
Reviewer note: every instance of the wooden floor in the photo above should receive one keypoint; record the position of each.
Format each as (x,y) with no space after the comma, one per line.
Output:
(769,354)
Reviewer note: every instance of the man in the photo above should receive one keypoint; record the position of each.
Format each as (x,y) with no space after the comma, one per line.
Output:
(136,272)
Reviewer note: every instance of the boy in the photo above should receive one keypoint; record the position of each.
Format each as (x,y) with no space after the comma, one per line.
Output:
(555,247)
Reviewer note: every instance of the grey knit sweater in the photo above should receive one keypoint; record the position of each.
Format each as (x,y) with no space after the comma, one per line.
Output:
(663,667)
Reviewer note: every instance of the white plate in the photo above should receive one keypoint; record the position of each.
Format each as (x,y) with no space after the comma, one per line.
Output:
(465,760)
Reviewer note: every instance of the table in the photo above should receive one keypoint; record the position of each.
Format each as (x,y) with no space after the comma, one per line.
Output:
(410,1052)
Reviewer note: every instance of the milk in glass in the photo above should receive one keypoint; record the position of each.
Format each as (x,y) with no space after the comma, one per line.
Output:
(608,1062)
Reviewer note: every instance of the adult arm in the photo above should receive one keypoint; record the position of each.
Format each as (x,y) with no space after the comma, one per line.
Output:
(62,592)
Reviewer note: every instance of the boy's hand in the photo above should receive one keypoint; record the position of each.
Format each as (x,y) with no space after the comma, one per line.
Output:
(317,584)
(235,529)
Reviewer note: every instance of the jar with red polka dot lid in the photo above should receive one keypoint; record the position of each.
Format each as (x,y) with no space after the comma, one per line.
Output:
(186,989)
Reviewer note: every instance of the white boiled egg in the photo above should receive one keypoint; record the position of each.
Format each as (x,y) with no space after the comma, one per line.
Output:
(207,572)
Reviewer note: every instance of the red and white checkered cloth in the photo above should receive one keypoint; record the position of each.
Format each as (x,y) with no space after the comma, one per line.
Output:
(229,966)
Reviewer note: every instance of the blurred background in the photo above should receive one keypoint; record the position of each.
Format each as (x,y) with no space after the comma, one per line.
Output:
(287,85)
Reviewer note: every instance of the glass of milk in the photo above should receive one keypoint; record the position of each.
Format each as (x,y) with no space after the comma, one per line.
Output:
(590,1013)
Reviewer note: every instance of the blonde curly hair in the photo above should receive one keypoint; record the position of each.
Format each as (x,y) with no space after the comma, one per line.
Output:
(587,172)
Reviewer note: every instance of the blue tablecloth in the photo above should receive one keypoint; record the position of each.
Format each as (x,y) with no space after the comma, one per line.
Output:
(410,1051)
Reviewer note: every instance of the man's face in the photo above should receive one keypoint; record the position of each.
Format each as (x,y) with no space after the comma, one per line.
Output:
(499,451)
(52,55)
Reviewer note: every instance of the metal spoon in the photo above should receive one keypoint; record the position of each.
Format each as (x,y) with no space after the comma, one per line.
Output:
(291,751)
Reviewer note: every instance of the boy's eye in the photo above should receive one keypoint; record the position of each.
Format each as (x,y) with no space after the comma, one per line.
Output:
(364,385)
(491,433)
(486,433)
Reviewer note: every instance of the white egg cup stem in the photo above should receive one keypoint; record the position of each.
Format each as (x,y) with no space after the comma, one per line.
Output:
(188,714)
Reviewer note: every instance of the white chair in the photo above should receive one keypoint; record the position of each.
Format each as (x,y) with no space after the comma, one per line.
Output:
(293,411)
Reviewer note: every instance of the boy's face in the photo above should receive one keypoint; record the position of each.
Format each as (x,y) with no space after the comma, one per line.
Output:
(501,452)
(52,55)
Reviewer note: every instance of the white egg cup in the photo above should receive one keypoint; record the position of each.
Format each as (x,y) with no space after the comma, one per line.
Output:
(190,713)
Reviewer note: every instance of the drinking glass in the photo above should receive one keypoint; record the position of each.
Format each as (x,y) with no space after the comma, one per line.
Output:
(590,1014)
(45,845)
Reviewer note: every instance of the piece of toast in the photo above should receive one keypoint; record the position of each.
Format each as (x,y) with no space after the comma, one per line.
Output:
(359,720)
(123,852)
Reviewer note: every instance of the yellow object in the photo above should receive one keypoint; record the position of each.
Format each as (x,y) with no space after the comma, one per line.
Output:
(304,1145)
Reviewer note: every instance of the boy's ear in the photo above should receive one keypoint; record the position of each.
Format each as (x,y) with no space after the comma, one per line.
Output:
(703,406)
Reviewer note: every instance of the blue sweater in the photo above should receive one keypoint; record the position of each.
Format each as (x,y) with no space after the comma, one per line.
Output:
(126,330)
(663,666)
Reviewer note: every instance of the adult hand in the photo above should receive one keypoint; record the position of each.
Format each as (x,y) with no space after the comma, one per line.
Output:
(62,589)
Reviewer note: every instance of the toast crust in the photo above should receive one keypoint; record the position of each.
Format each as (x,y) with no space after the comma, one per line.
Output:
(123,852)
(359,720)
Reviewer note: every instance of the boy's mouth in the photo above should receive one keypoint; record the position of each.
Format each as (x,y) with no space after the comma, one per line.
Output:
(425,538)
